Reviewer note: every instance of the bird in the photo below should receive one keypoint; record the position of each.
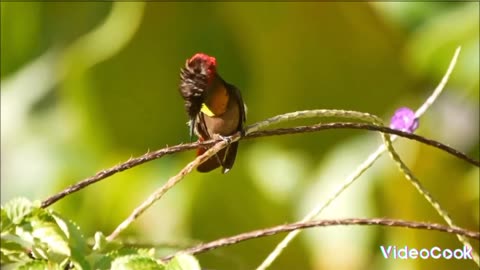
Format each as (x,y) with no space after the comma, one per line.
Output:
(216,108)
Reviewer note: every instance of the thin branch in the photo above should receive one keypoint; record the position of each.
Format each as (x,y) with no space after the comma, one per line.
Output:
(155,196)
(367,164)
(324,223)
(438,90)
(132,162)
(363,126)
(213,150)
(281,131)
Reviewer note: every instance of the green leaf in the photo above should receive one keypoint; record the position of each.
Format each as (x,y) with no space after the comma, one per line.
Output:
(103,245)
(102,261)
(25,225)
(12,251)
(17,209)
(46,230)
(5,221)
(183,262)
(134,262)
(39,265)
(76,241)
(100,241)
(45,238)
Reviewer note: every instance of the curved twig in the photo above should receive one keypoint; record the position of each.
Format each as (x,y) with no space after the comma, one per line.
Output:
(264,133)
(324,223)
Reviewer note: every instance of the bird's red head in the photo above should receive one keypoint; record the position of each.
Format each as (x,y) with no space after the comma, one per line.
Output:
(196,79)
(207,64)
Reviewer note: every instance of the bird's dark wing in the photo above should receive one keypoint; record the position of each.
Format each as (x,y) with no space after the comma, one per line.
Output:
(243,113)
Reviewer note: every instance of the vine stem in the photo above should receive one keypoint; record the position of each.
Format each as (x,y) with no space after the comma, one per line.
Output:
(157,194)
(133,162)
(317,210)
(226,241)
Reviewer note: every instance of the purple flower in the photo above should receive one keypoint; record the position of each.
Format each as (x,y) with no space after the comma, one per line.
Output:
(404,120)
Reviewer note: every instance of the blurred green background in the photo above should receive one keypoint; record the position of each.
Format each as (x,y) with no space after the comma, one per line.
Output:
(87,85)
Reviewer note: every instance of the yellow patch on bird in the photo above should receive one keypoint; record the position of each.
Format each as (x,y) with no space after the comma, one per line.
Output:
(206,110)
(216,102)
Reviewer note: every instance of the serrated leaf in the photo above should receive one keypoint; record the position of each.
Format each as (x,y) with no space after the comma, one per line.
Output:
(49,233)
(136,262)
(47,239)
(39,250)
(183,262)
(100,261)
(17,209)
(11,251)
(24,233)
(5,222)
(39,265)
(104,261)
(46,234)
(76,241)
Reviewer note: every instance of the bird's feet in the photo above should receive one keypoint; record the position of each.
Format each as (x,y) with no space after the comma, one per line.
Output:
(226,139)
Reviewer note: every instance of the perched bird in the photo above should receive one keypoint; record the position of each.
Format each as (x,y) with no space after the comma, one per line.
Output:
(215,108)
